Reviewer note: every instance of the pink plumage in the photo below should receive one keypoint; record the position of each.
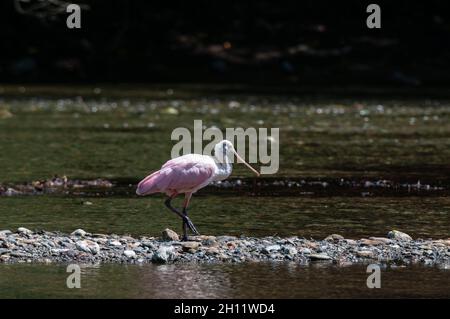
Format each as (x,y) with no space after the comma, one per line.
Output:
(185,174)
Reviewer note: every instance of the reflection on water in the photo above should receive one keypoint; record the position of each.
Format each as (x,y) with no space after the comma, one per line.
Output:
(262,280)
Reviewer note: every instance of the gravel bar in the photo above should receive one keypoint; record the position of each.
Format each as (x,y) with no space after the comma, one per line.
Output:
(80,246)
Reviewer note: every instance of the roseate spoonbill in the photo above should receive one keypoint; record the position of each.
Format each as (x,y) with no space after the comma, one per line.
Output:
(187,174)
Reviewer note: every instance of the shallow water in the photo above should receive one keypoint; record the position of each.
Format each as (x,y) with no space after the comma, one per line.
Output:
(260,280)
(353,217)
(123,135)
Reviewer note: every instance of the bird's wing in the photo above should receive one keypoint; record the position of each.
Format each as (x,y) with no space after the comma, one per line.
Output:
(181,174)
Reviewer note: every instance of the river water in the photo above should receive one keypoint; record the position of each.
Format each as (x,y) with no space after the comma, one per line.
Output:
(122,137)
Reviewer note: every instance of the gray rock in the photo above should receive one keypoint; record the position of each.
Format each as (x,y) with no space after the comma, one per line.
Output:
(319,257)
(148,244)
(289,250)
(79,232)
(5,232)
(170,235)
(271,248)
(23,230)
(129,254)
(164,254)
(365,253)
(398,235)
(88,246)
(305,251)
(11,192)
(334,237)
(115,243)
(190,246)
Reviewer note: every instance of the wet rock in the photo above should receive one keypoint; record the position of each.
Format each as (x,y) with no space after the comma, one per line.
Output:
(365,253)
(398,235)
(12,192)
(78,232)
(231,245)
(319,257)
(170,235)
(210,242)
(212,251)
(334,237)
(305,251)
(371,242)
(311,244)
(190,246)
(164,254)
(271,248)
(148,244)
(115,243)
(129,254)
(23,230)
(88,246)
(222,239)
(381,240)
(5,232)
(289,250)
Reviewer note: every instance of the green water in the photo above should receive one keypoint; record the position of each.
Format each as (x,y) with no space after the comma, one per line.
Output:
(233,215)
(277,280)
(124,134)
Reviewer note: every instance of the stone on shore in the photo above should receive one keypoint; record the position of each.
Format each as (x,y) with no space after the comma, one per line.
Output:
(88,246)
(23,230)
(78,232)
(163,255)
(129,254)
(334,237)
(190,246)
(398,235)
(319,257)
(170,235)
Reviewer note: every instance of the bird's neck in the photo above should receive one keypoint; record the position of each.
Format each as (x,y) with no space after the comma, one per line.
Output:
(223,169)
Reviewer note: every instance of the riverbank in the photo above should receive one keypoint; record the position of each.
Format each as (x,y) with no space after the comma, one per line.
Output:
(399,248)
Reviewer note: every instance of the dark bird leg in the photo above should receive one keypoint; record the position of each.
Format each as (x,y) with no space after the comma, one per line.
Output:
(186,220)
(183,216)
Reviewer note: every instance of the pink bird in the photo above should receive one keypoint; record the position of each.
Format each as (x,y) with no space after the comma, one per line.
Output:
(189,173)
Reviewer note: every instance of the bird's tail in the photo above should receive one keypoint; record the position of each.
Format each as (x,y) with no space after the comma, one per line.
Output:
(148,185)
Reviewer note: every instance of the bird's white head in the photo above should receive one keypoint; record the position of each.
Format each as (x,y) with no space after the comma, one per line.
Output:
(224,151)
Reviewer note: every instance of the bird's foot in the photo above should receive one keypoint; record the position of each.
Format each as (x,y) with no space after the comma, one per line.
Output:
(191,225)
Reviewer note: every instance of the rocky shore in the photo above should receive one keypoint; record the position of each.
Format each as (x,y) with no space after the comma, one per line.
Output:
(397,248)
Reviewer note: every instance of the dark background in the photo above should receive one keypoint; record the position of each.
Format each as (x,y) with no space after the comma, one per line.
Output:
(279,42)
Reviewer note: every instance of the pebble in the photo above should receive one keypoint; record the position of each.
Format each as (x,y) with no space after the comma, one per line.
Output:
(319,257)
(271,248)
(395,234)
(23,230)
(129,254)
(164,254)
(170,235)
(78,232)
(334,237)
(88,246)
(190,246)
